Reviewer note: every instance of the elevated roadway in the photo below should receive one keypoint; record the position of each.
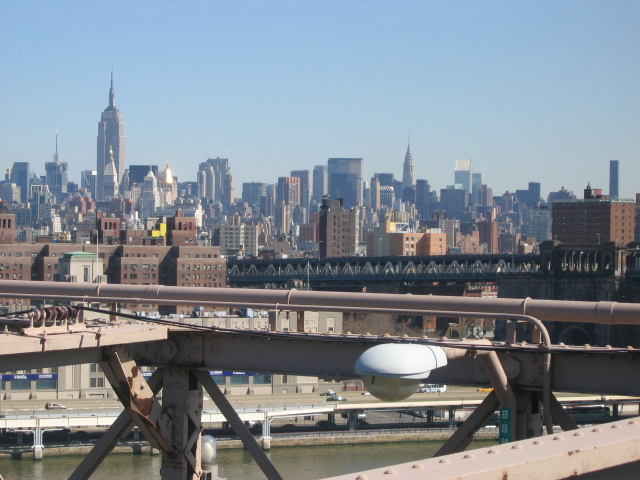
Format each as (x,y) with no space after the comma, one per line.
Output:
(350,271)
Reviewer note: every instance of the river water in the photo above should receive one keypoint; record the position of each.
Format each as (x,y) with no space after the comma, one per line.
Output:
(300,463)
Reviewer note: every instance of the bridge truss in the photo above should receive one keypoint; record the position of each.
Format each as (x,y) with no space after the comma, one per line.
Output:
(378,270)
(524,376)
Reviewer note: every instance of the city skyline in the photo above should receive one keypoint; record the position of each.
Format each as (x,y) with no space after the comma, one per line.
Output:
(523,91)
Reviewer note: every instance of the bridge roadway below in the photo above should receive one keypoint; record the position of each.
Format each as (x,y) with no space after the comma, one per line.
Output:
(102,417)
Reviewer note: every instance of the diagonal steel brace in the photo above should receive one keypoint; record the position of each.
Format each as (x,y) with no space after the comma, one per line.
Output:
(118,429)
(238,425)
(135,394)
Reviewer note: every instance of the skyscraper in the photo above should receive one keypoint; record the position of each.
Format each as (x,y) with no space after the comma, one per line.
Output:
(463,173)
(56,175)
(407,170)
(20,175)
(216,182)
(305,186)
(110,137)
(345,180)
(613,179)
(319,183)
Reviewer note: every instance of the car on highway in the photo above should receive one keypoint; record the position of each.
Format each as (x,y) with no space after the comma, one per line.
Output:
(328,393)
(54,406)
(336,398)
(365,393)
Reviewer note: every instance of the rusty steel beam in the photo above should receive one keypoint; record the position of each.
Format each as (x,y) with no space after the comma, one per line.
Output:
(238,425)
(20,352)
(603,452)
(547,310)
(574,369)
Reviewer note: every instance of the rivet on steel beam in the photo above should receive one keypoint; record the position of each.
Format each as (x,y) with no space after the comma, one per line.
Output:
(632,422)
(391,471)
(587,346)
(516,447)
(558,439)
(445,460)
(578,434)
(362,477)
(538,442)
(615,425)
(418,466)
(493,451)
(597,430)
(469,455)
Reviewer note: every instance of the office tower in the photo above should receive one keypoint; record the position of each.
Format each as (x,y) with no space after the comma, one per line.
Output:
(319,183)
(540,222)
(463,173)
(305,186)
(252,191)
(386,179)
(476,184)
(137,173)
(489,234)
(613,179)
(150,198)
(288,191)
(562,194)
(9,192)
(530,196)
(88,181)
(423,198)
(110,137)
(56,173)
(508,202)
(374,194)
(593,220)
(387,196)
(407,170)
(20,175)
(345,177)
(215,181)
(454,199)
(339,229)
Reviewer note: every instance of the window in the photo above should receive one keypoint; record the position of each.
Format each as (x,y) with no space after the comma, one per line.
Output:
(20,384)
(239,379)
(97,382)
(46,384)
(262,379)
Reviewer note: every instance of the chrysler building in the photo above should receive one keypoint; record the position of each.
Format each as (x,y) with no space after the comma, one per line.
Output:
(407,170)
(110,138)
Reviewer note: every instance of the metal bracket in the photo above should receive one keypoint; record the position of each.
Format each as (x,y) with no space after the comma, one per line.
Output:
(136,396)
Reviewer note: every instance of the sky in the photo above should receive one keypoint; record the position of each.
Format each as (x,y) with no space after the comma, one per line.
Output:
(544,91)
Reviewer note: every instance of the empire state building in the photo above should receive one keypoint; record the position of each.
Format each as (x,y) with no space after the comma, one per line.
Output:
(111,141)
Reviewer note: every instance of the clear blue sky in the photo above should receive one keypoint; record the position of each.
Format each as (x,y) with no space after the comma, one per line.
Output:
(545,91)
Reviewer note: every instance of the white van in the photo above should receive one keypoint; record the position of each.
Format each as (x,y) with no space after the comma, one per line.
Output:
(432,388)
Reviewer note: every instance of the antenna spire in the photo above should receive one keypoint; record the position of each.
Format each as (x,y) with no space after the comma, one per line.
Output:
(112,95)
(56,157)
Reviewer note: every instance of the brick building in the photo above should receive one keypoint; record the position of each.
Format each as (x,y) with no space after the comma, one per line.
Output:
(594,220)
(121,264)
